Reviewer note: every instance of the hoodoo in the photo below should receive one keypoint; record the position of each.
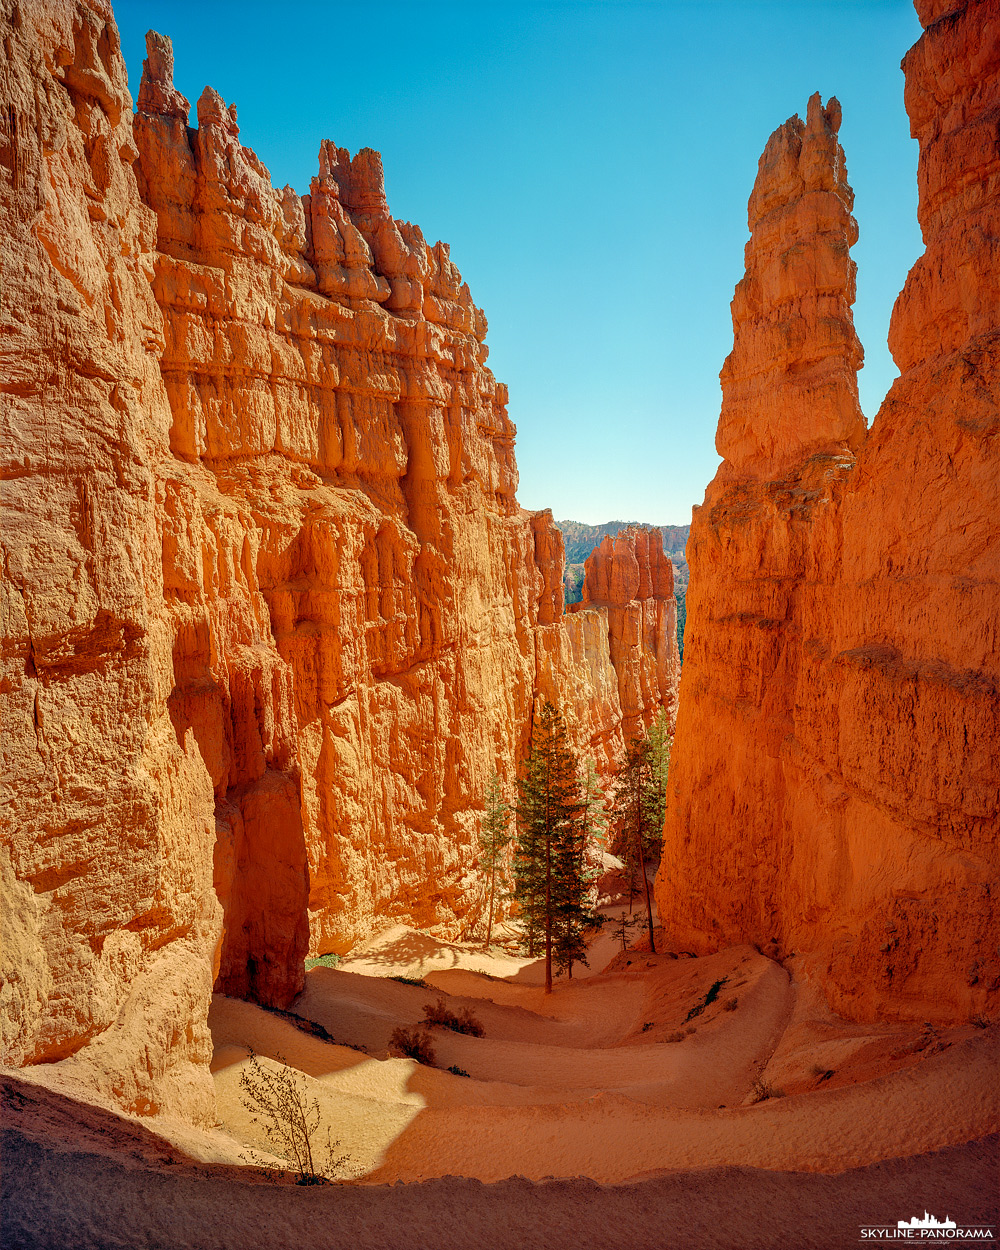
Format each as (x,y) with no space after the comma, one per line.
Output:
(272,614)
(835,780)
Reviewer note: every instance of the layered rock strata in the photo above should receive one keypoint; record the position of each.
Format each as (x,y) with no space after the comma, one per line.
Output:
(109,915)
(835,787)
(629,580)
(272,613)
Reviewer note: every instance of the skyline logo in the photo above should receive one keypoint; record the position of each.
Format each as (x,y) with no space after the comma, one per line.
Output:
(926,1228)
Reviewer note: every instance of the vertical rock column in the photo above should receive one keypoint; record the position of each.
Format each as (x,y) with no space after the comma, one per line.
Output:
(789,427)
(912,678)
(631,577)
(835,785)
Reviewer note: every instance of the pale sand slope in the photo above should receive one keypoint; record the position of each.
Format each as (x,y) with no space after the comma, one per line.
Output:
(573,1084)
(582,1083)
(77,1177)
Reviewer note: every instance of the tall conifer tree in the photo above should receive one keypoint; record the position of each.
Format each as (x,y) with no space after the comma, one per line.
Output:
(640,804)
(494,838)
(548,867)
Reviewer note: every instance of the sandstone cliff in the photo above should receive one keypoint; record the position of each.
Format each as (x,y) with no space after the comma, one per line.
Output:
(272,613)
(629,579)
(835,777)
(109,914)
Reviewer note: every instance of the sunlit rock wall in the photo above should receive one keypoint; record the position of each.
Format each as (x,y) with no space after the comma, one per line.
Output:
(109,917)
(835,786)
(272,614)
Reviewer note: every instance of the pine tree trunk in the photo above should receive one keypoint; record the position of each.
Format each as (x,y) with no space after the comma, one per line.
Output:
(548,916)
(489,919)
(645,882)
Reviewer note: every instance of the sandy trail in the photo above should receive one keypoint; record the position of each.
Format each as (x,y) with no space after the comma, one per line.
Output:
(585,1084)
(626,1073)
(79,1176)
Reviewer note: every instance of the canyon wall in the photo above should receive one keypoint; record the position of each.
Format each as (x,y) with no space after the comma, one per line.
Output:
(109,915)
(629,580)
(272,614)
(835,787)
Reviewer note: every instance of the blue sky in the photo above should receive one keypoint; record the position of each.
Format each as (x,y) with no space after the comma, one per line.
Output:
(589,163)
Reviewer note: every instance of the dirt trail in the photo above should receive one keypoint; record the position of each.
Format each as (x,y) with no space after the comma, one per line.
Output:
(647,1066)
(637,1078)
(77,1176)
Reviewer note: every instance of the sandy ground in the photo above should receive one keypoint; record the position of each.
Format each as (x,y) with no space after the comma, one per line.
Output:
(587,1081)
(612,1112)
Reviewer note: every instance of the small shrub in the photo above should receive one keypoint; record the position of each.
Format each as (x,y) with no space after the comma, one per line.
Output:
(278,1102)
(457,1070)
(323,961)
(413,1044)
(762,1090)
(439,1015)
(821,1073)
(675,1037)
(730,1004)
(417,981)
(647,1025)
(710,997)
(980,1021)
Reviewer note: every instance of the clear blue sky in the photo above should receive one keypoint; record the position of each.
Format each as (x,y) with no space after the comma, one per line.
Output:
(589,161)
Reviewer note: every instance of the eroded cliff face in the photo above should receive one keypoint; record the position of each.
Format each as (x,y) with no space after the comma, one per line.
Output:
(272,612)
(109,914)
(835,778)
(629,580)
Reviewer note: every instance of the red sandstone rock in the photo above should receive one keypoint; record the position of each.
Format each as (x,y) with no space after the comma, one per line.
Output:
(109,914)
(632,579)
(789,385)
(272,614)
(835,787)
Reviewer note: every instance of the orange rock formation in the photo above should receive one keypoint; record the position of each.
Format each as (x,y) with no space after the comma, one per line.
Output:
(629,578)
(109,914)
(271,611)
(835,776)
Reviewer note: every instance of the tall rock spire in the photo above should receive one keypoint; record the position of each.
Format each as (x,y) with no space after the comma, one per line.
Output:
(790,383)
(834,780)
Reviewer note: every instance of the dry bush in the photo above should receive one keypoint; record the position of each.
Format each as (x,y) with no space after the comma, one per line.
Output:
(675,1037)
(413,1044)
(439,1015)
(762,1090)
(457,1070)
(278,1102)
(980,1022)
(730,1004)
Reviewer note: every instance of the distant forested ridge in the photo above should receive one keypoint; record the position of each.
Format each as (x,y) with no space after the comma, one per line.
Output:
(580,540)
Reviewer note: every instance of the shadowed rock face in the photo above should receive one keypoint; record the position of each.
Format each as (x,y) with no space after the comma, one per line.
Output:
(272,613)
(835,779)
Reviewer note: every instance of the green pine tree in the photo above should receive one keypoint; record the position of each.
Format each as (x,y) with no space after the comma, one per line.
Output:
(640,803)
(550,883)
(494,838)
(574,878)
(660,742)
(595,814)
